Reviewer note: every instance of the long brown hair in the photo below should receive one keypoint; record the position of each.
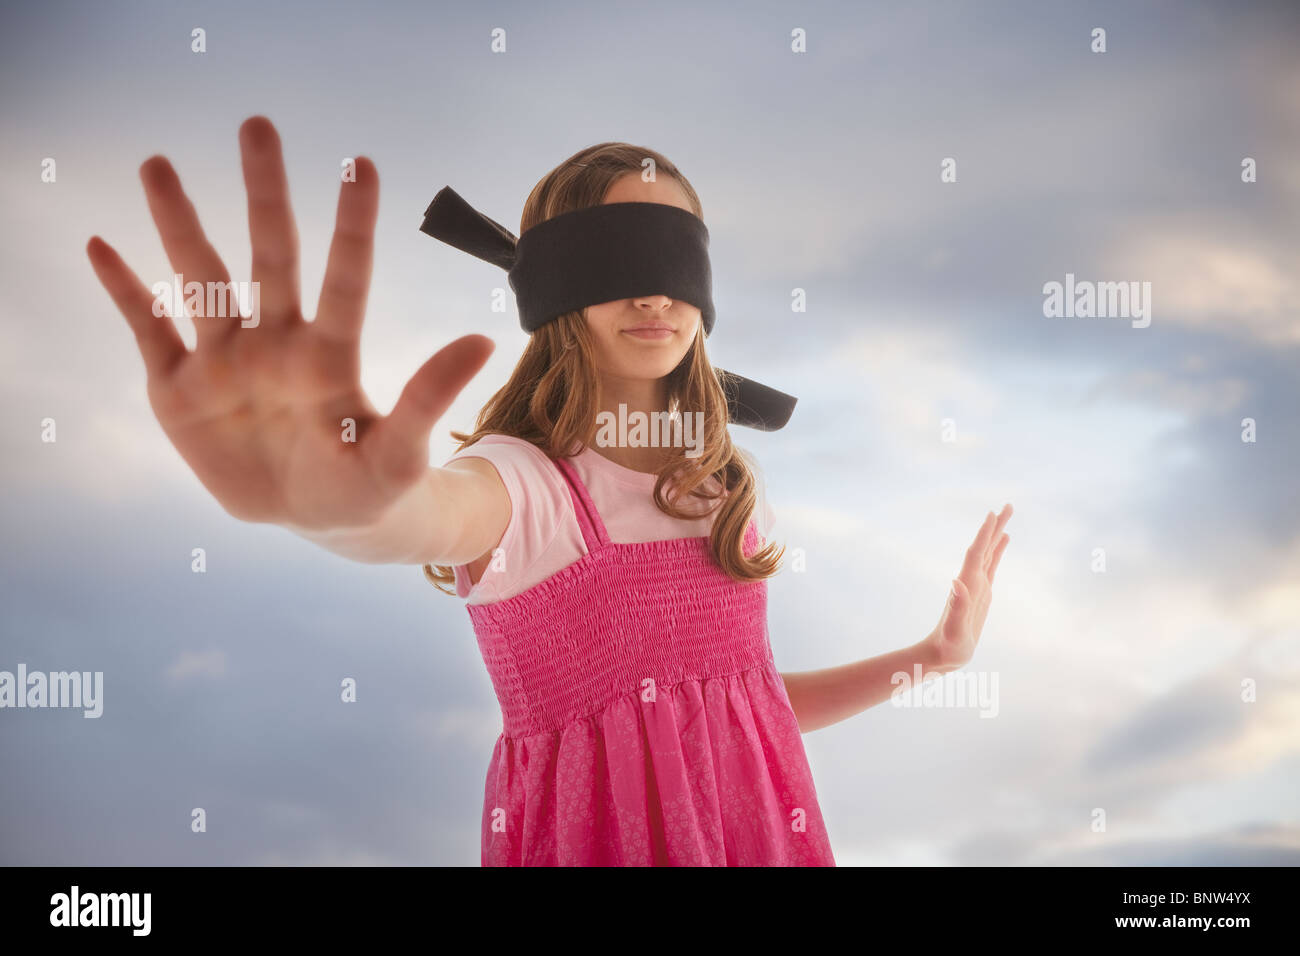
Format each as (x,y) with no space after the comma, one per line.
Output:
(553,395)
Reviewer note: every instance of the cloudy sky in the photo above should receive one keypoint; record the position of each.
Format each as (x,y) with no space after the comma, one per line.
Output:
(1118,691)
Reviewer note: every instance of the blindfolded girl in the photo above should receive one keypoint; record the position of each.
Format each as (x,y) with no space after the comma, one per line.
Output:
(615,575)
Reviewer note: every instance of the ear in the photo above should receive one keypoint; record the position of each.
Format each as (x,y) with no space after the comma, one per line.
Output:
(459,224)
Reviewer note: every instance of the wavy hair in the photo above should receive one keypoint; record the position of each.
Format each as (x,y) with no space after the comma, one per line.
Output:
(553,395)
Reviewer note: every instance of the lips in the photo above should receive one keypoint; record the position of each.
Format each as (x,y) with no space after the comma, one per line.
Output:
(650,327)
(650,333)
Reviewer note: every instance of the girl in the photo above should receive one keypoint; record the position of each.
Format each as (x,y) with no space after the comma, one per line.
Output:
(618,594)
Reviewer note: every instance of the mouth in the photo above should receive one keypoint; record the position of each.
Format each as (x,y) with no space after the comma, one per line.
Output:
(651,330)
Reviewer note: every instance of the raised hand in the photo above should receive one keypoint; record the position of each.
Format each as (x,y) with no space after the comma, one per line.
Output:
(952,642)
(258,411)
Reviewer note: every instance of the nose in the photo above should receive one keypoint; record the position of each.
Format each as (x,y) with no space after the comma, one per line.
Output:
(653,303)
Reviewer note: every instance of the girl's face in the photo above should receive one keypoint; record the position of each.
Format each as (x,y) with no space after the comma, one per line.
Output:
(645,337)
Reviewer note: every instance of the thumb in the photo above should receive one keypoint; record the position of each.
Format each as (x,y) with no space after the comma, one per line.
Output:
(400,441)
(957,595)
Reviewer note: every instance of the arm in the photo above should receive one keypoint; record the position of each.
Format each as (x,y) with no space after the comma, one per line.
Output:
(450,515)
(825,697)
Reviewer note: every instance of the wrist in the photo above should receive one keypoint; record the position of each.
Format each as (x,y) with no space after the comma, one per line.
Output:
(929,655)
(392,535)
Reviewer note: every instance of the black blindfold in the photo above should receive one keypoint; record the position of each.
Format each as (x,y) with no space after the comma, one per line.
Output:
(602,254)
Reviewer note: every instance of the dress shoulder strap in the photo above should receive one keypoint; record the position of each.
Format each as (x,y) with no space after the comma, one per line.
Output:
(593,529)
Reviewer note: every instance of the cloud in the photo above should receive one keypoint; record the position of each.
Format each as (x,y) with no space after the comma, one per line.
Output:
(1227,281)
(190,664)
(326,851)
(1263,844)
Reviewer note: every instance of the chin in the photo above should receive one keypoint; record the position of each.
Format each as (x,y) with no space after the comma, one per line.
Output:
(642,366)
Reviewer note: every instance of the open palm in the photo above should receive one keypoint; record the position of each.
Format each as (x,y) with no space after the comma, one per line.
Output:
(954,638)
(260,412)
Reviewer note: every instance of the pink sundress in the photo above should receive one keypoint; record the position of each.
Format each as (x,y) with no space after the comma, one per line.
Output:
(644,720)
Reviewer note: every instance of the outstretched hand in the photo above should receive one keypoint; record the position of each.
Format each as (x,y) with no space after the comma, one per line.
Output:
(953,640)
(271,415)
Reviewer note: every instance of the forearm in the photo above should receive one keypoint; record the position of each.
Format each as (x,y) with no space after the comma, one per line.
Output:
(407,532)
(825,697)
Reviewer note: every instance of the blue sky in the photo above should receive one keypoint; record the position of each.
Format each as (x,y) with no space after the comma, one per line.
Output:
(818,171)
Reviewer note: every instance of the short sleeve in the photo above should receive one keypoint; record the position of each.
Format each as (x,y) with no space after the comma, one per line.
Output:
(538,497)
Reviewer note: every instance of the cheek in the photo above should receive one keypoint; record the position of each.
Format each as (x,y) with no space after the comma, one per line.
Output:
(690,325)
(600,319)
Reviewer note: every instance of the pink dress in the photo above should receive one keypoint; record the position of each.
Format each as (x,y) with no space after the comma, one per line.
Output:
(644,720)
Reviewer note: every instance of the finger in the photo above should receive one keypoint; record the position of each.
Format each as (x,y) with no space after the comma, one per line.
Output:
(975,553)
(160,344)
(400,442)
(271,227)
(958,602)
(997,556)
(342,304)
(960,593)
(994,541)
(188,249)
(1003,517)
